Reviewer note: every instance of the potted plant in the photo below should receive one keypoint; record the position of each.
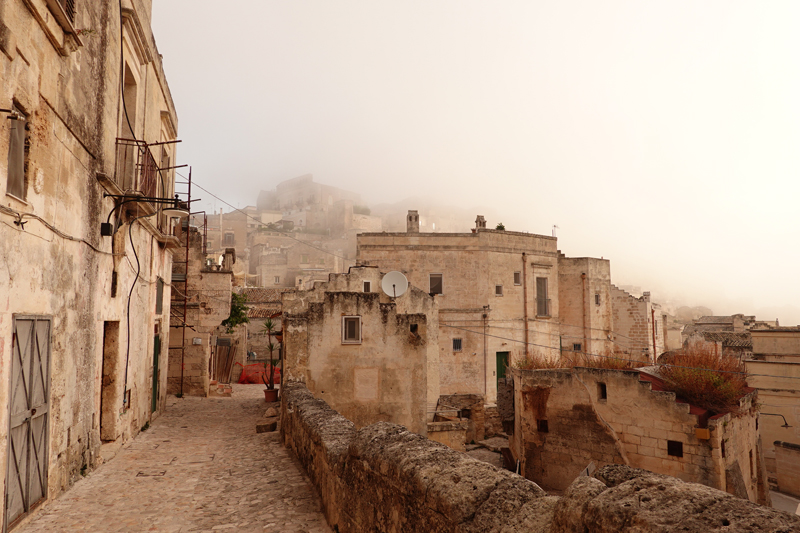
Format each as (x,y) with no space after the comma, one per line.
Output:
(270,393)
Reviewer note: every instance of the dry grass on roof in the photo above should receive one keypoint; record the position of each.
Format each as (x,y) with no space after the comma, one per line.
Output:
(705,378)
(538,361)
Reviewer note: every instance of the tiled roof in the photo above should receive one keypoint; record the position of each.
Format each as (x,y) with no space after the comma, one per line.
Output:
(264,312)
(714,320)
(257,295)
(729,339)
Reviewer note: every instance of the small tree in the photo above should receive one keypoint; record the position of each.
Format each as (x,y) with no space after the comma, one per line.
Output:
(269,330)
(501,226)
(238,312)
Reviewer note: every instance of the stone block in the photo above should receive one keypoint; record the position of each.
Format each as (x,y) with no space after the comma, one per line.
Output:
(268,425)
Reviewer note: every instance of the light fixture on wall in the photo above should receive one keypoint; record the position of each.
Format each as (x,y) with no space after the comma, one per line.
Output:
(785,423)
(173,208)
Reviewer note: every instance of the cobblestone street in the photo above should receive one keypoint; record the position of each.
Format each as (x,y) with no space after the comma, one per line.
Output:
(200,467)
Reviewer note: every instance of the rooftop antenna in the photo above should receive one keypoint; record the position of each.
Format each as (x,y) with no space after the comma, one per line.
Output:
(394,284)
(554,230)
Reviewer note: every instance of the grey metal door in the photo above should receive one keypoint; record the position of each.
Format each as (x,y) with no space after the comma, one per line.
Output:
(26,477)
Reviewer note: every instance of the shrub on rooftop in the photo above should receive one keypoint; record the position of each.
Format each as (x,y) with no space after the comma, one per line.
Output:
(705,378)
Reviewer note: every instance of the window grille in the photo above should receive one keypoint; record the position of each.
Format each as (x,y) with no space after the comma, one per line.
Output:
(457,345)
(69,9)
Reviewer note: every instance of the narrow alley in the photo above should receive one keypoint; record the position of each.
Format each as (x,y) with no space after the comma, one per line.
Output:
(200,467)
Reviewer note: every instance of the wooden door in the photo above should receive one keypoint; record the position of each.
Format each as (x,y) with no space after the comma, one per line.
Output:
(502,364)
(27,448)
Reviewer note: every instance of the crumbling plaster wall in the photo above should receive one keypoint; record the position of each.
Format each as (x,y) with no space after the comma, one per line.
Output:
(631,426)
(70,95)
(385,478)
(385,376)
(632,320)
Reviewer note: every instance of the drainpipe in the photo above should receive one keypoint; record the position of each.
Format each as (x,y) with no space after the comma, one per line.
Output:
(485,354)
(655,353)
(583,303)
(525,301)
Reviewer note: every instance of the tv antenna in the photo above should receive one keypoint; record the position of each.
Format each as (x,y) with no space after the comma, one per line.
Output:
(394,284)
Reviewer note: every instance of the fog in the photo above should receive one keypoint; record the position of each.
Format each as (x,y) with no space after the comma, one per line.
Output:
(660,135)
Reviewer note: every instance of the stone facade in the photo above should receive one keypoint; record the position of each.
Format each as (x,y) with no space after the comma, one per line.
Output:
(775,371)
(584,303)
(787,462)
(633,325)
(208,304)
(107,360)
(384,478)
(569,419)
(488,285)
(385,368)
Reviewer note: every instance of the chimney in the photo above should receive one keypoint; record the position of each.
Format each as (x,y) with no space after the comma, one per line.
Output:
(229,259)
(480,222)
(412,222)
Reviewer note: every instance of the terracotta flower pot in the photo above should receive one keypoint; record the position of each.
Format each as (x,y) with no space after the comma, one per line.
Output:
(271,395)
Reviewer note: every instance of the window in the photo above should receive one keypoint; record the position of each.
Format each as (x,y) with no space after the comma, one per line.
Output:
(674,448)
(602,392)
(597,299)
(414,328)
(159,296)
(277,279)
(498,290)
(541,426)
(517,278)
(304,258)
(542,301)
(367,286)
(18,147)
(576,347)
(722,447)
(229,239)
(435,284)
(351,330)
(456,345)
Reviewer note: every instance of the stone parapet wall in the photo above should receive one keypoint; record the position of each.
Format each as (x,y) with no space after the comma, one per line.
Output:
(385,478)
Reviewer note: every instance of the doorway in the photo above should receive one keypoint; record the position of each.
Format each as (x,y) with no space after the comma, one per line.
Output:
(29,398)
(502,365)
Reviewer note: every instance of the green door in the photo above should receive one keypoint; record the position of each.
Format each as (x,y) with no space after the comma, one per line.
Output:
(156,351)
(502,364)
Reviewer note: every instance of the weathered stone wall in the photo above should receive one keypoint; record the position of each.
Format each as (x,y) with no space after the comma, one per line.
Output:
(632,320)
(563,423)
(469,407)
(385,375)
(787,460)
(58,266)
(384,478)
(473,265)
(584,303)
(209,294)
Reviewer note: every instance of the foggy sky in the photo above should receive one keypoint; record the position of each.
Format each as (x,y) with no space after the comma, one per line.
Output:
(663,136)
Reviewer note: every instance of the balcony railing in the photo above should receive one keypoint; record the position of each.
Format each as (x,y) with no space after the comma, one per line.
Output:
(136,172)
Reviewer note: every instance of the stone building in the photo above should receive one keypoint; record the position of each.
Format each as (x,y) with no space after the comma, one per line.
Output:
(585,313)
(572,420)
(81,366)
(775,371)
(208,303)
(638,323)
(373,357)
(502,295)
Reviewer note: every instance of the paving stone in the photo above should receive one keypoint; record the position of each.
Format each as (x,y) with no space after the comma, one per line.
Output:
(218,475)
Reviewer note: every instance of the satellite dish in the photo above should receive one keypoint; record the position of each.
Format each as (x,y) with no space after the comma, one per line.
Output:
(394,284)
